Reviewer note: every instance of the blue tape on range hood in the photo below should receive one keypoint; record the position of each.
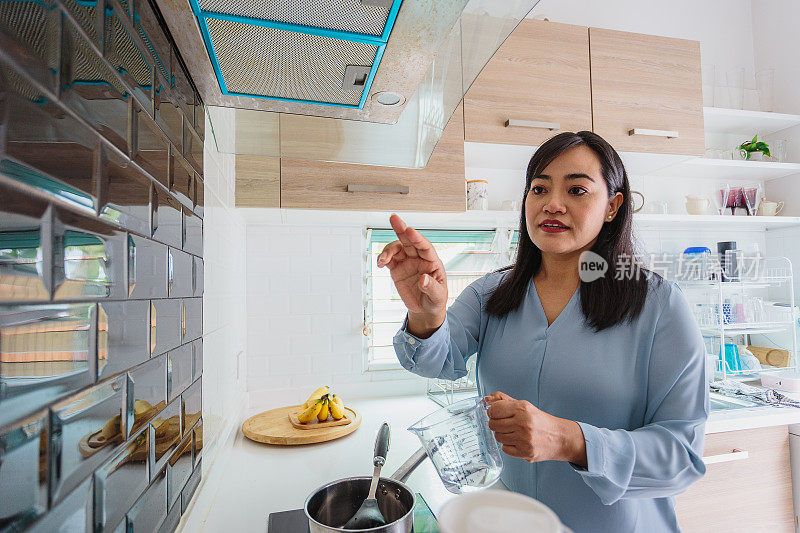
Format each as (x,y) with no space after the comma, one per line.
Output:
(378,41)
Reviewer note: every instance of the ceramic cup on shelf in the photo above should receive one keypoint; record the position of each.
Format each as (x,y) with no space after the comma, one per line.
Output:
(697,205)
(769,208)
(478,194)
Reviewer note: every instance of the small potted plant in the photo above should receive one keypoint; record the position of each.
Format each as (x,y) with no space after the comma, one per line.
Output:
(754,150)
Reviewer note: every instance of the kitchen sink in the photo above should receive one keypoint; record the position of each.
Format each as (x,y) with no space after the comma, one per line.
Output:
(719,402)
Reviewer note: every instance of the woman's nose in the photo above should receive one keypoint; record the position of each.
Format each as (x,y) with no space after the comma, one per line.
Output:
(554,204)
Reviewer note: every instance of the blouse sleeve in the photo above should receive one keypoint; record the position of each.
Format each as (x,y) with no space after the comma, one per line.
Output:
(444,354)
(663,457)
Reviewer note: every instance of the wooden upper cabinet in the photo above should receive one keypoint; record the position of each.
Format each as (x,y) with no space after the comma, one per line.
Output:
(649,84)
(540,75)
(437,187)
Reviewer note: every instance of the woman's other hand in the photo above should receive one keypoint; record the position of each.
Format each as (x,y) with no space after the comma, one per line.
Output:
(419,277)
(526,432)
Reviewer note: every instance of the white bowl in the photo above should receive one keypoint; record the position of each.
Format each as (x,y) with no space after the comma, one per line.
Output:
(495,511)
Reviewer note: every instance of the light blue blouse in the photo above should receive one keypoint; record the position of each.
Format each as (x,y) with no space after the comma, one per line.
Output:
(637,390)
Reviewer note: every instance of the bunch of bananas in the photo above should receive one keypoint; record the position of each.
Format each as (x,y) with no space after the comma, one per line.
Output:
(320,405)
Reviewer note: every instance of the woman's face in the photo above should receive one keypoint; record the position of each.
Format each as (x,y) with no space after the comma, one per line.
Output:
(571,192)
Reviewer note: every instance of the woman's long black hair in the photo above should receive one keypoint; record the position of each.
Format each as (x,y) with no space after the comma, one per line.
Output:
(607,300)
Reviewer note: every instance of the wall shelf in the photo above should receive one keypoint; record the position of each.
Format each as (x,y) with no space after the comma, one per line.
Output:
(745,122)
(728,169)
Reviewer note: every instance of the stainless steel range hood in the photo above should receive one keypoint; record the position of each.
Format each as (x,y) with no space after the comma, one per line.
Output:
(356,81)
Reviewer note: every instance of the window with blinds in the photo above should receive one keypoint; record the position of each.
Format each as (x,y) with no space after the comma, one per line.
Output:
(467,255)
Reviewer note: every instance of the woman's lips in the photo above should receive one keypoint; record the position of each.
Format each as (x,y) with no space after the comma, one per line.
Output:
(553,226)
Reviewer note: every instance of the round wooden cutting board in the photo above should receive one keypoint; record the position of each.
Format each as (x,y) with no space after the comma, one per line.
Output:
(274,427)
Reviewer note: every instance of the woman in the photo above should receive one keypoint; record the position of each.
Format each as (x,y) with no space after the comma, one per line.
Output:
(601,395)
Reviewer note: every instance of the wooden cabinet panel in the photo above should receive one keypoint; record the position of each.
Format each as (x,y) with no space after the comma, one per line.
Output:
(646,82)
(258,181)
(745,494)
(437,187)
(539,74)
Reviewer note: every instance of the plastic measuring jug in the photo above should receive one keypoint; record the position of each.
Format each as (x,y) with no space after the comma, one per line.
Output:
(461,446)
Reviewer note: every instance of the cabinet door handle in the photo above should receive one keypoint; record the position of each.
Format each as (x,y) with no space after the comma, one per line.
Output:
(552,126)
(654,133)
(735,455)
(391,189)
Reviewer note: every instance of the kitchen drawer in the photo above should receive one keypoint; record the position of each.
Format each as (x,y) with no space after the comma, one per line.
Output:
(437,187)
(539,75)
(741,492)
(646,82)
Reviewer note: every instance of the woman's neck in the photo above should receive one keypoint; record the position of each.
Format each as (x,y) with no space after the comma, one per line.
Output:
(559,270)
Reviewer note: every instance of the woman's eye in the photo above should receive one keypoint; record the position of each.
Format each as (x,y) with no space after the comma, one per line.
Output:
(577,191)
(537,189)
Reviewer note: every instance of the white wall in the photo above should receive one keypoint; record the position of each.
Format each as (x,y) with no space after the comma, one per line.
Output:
(224,367)
(305,315)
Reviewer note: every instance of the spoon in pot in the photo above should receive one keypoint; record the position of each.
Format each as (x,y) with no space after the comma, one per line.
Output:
(368,515)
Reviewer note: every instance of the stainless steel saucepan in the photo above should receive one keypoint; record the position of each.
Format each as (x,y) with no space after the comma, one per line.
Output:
(332,505)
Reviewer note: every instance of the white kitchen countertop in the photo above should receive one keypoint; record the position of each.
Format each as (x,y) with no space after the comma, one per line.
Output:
(259,479)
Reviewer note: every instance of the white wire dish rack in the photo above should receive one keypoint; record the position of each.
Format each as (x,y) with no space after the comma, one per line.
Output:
(745,307)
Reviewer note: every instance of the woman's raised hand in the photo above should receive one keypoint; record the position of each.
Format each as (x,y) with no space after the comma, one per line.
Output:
(419,277)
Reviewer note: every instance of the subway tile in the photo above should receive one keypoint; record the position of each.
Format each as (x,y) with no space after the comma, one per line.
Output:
(124,193)
(93,90)
(198,442)
(310,304)
(147,392)
(199,196)
(193,233)
(179,468)
(172,520)
(179,273)
(315,343)
(168,115)
(165,434)
(120,481)
(152,149)
(126,57)
(150,510)
(147,268)
(44,354)
(179,370)
(165,325)
(198,276)
(86,430)
(73,515)
(192,319)
(122,336)
(23,471)
(88,258)
(191,405)
(289,365)
(197,358)
(190,488)
(182,180)
(40,136)
(22,262)
(167,221)
(34,26)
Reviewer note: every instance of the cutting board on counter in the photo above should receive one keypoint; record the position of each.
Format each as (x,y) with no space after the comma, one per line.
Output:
(274,427)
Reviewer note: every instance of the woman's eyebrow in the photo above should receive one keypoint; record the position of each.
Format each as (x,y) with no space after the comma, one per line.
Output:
(573,176)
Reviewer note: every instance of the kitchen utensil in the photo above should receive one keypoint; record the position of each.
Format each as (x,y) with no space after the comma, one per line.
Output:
(769,208)
(461,446)
(274,427)
(334,503)
(368,515)
(478,194)
(491,511)
(771,356)
(697,205)
(721,198)
(728,260)
(637,209)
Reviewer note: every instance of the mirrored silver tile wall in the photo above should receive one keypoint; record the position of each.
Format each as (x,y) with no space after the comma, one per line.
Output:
(101,269)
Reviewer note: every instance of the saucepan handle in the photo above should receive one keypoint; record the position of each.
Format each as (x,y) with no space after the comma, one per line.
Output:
(381,445)
(402,473)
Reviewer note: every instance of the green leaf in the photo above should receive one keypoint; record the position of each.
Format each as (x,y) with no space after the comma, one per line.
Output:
(755,137)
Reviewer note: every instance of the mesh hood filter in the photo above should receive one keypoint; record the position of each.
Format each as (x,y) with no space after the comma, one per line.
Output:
(340,15)
(274,63)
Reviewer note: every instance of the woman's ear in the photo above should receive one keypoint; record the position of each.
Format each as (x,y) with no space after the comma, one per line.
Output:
(613,206)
